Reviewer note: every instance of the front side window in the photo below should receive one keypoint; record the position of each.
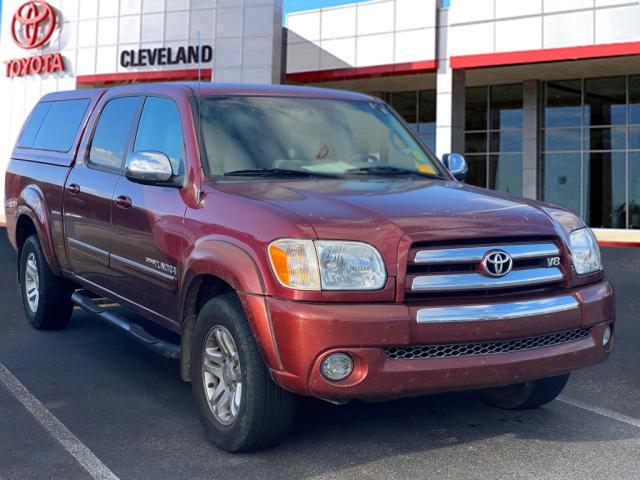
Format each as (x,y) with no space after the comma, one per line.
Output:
(307,135)
(111,137)
(160,130)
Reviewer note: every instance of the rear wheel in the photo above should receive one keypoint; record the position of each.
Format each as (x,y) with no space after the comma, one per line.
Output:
(240,406)
(46,299)
(524,396)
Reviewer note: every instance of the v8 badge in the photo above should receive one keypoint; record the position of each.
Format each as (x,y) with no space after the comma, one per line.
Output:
(553,262)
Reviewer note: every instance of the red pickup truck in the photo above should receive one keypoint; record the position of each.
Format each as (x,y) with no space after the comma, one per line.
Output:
(297,241)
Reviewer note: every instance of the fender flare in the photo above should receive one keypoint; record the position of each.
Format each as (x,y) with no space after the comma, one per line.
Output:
(223,258)
(33,204)
(226,259)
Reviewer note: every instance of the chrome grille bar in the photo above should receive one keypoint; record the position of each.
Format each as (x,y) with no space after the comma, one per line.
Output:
(475,281)
(497,311)
(475,254)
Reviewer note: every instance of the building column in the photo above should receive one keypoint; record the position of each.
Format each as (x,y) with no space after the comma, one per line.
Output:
(450,95)
(530,95)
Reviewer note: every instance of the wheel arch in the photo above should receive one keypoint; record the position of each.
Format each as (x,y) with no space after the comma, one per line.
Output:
(32,217)
(216,267)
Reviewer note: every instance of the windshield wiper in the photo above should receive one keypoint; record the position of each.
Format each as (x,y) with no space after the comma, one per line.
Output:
(391,170)
(276,171)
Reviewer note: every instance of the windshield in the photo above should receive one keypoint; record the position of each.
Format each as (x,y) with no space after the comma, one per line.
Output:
(247,135)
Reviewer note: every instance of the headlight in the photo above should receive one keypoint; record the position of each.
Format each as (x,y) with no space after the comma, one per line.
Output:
(327,265)
(585,251)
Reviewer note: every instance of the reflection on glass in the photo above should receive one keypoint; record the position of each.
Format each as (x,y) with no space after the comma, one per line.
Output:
(562,180)
(476,108)
(505,173)
(605,194)
(475,142)
(477,170)
(562,139)
(506,141)
(427,112)
(563,104)
(506,106)
(634,138)
(605,101)
(634,190)
(430,140)
(634,100)
(604,138)
(405,103)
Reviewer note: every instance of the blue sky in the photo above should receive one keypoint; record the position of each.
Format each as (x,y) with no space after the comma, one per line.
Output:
(297,5)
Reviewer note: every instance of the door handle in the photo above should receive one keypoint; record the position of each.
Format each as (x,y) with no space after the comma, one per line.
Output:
(73,189)
(123,201)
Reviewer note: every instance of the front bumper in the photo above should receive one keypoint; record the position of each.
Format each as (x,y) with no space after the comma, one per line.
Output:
(305,333)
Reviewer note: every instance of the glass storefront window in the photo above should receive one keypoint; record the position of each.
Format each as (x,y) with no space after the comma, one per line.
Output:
(563,104)
(476,108)
(506,107)
(505,173)
(634,100)
(633,185)
(605,175)
(427,117)
(418,108)
(406,104)
(562,139)
(605,101)
(493,139)
(605,138)
(477,170)
(506,141)
(590,162)
(561,185)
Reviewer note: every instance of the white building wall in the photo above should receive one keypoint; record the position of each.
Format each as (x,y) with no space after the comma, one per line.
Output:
(494,26)
(379,32)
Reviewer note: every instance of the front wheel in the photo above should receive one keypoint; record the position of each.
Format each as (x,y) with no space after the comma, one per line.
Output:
(240,406)
(46,299)
(524,396)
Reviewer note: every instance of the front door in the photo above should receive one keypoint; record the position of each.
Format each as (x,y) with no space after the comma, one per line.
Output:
(146,236)
(90,188)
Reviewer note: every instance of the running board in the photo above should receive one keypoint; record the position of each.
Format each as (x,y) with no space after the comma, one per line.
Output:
(164,348)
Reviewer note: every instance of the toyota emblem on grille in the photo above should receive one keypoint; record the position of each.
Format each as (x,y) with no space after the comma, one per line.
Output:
(496,263)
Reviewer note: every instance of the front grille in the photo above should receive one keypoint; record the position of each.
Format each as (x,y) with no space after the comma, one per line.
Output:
(457,267)
(487,348)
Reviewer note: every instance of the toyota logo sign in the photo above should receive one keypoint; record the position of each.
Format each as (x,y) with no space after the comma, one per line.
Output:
(496,263)
(33,24)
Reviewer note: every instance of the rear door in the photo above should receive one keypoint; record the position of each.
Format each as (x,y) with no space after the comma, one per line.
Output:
(146,239)
(90,188)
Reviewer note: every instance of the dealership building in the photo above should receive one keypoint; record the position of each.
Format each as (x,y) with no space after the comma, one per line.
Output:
(542,96)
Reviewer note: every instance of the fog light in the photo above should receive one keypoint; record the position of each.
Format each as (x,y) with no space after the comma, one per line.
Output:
(606,336)
(337,366)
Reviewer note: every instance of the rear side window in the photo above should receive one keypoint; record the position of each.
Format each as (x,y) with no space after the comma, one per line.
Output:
(54,125)
(160,130)
(111,137)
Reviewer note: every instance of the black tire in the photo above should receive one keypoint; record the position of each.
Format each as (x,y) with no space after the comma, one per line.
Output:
(54,306)
(266,412)
(525,396)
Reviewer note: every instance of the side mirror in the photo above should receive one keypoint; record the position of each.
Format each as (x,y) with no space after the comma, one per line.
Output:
(149,168)
(457,165)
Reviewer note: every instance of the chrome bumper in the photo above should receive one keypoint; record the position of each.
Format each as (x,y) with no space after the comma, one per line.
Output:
(497,311)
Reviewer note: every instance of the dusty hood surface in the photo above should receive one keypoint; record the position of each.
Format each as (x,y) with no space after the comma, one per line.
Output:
(410,205)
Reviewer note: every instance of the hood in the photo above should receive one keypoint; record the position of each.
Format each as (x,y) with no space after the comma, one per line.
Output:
(357,208)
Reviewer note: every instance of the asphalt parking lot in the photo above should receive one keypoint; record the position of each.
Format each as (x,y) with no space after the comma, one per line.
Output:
(124,411)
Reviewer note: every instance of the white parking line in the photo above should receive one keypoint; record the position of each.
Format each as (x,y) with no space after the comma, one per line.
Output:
(56,428)
(634,422)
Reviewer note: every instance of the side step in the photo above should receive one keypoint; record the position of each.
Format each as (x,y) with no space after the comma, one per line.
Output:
(164,348)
